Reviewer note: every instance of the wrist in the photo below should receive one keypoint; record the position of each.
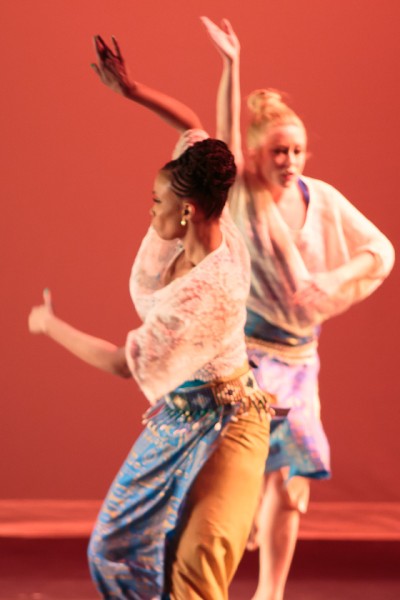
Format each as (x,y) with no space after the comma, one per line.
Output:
(129,90)
(343,274)
(230,62)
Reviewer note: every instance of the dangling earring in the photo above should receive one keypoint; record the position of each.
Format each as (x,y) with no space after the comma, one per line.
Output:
(183,220)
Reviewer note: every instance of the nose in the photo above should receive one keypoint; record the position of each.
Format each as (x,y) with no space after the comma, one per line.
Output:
(290,158)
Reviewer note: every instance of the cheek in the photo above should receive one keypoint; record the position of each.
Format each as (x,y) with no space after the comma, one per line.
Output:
(278,161)
(267,163)
(301,162)
(167,224)
(274,164)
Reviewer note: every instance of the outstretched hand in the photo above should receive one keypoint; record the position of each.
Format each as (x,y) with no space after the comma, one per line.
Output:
(224,38)
(111,67)
(39,314)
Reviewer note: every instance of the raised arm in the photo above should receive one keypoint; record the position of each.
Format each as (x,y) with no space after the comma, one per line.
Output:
(94,351)
(112,71)
(228,98)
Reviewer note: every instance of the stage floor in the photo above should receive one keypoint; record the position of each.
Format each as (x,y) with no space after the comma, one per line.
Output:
(56,569)
(346,551)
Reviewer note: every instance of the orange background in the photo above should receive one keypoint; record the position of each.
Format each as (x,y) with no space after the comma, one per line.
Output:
(78,164)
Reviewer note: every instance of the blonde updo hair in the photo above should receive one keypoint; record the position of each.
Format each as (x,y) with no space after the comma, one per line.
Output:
(267,108)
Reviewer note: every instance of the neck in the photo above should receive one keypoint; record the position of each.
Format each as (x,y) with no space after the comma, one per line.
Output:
(202,238)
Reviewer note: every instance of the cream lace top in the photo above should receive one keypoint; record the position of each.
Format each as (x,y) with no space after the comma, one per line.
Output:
(193,327)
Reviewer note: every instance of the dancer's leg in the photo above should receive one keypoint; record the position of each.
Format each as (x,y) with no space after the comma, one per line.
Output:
(219,513)
(278,523)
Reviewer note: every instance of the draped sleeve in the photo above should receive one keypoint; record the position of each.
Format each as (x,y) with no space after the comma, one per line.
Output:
(346,233)
(363,236)
(283,259)
(184,331)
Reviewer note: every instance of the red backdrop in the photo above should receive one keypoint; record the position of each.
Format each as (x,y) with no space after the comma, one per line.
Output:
(77,169)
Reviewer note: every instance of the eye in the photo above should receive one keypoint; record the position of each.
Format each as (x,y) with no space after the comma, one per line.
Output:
(298,150)
(156,200)
(279,150)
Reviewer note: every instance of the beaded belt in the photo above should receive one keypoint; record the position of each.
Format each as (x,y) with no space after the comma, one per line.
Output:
(240,389)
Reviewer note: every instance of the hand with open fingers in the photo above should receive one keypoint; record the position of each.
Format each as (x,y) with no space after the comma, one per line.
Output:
(224,38)
(111,67)
(39,314)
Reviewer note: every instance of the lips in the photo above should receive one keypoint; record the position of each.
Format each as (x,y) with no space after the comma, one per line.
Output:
(288,176)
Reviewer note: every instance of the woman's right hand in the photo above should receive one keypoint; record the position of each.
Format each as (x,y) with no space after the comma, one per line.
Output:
(111,67)
(39,315)
(223,38)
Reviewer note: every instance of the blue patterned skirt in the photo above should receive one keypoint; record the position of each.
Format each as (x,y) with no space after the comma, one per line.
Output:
(140,515)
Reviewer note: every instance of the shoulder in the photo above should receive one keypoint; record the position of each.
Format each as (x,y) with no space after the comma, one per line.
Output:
(321,189)
(325,198)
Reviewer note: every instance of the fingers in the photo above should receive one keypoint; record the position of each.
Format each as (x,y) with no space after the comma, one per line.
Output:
(31,321)
(206,21)
(98,46)
(96,69)
(228,29)
(211,27)
(102,50)
(101,43)
(47,298)
(117,48)
(223,37)
(226,26)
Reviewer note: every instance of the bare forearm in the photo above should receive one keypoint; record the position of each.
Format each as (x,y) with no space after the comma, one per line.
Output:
(92,350)
(228,109)
(224,108)
(362,265)
(175,113)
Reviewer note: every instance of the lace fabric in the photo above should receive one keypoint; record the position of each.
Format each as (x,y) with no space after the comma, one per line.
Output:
(193,328)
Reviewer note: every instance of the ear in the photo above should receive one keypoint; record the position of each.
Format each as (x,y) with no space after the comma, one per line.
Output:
(189,210)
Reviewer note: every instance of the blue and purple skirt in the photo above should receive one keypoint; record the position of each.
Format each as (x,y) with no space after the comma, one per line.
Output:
(287,367)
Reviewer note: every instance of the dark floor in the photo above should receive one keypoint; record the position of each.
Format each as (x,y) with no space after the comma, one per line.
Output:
(55,569)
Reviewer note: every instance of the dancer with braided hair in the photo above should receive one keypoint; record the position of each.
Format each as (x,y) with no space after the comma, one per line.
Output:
(180,493)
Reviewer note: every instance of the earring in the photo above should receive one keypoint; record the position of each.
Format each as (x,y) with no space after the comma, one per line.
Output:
(183,220)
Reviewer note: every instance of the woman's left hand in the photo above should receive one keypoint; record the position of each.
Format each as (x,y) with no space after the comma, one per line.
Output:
(322,287)
(39,314)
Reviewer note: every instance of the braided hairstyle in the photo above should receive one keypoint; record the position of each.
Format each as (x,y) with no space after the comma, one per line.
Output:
(204,173)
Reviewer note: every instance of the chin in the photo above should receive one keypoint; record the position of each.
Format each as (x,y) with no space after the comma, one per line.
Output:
(287,183)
